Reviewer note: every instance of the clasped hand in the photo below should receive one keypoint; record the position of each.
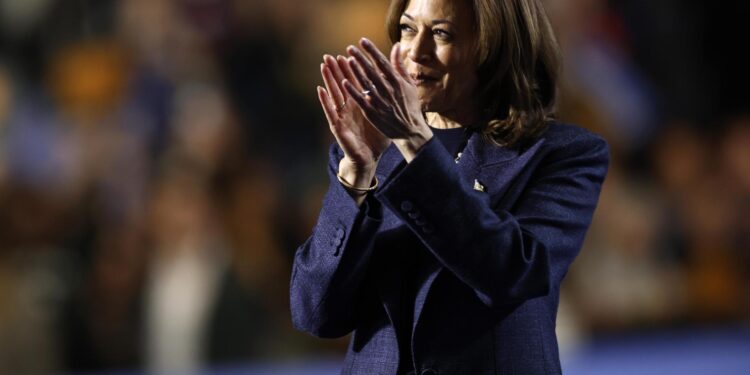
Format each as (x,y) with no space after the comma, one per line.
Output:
(370,101)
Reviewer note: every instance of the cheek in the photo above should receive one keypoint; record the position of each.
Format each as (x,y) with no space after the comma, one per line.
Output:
(460,78)
(460,82)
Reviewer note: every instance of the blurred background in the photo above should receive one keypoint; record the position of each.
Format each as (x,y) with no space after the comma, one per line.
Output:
(161,160)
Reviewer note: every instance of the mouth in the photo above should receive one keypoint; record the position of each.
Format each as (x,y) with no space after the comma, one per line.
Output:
(422,78)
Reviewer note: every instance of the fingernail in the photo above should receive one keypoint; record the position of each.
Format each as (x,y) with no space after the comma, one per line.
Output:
(365,41)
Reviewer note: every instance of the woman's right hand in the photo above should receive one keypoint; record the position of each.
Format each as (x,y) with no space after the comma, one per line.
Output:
(362,143)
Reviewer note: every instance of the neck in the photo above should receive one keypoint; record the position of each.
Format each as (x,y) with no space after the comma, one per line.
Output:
(449,120)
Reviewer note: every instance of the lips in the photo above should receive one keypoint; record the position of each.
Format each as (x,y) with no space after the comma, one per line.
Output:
(422,78)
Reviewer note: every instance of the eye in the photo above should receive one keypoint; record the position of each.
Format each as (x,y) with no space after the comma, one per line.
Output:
(406,28)
(442,34)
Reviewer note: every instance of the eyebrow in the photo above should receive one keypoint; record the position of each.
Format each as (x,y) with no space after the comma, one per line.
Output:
(434,22)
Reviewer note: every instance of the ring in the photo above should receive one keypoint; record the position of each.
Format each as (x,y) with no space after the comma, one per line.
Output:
(366,92)
(340,106)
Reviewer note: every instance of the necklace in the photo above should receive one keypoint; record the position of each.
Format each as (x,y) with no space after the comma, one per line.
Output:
(466,134)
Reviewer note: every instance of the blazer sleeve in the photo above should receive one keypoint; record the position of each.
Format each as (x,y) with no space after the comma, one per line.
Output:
(329,268)
(505,256)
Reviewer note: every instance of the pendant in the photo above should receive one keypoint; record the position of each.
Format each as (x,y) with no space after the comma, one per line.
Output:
(478,186)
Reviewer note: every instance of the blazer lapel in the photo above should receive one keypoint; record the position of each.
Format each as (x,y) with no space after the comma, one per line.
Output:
(493,167)
(499,170)
(469,165)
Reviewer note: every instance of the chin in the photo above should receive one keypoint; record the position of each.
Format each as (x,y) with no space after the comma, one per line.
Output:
(429,105)
(431,100)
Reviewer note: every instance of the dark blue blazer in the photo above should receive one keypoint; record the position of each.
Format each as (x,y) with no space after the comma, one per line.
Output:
(500,227)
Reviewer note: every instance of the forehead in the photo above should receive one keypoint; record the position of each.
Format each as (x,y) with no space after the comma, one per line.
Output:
(451,10)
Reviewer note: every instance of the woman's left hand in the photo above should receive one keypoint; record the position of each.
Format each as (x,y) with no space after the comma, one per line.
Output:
(390,101)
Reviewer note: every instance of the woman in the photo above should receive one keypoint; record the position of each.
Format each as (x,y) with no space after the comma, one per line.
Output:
(456,204)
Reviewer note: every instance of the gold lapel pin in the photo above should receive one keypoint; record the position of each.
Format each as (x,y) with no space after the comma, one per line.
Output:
(478,186)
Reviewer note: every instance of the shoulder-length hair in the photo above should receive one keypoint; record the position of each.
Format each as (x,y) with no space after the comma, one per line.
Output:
(518,66)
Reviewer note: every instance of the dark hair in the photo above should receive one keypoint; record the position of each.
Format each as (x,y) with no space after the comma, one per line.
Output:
(518,66)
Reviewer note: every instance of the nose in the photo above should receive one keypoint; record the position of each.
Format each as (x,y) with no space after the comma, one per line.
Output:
(420,48)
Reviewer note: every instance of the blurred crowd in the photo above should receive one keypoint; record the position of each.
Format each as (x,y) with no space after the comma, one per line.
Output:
(669,247)
(161,160)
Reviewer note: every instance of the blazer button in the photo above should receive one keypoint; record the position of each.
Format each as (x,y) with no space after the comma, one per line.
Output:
(407,206)
(336,247)
(429,371)
(413,214)
(420,222)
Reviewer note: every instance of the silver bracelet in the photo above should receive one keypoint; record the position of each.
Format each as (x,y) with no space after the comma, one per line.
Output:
(352,187)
